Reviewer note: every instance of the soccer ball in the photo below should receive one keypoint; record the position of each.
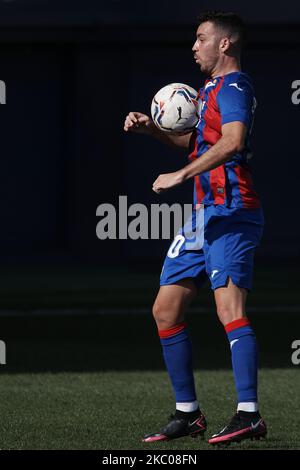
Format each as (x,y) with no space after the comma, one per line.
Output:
(175,108)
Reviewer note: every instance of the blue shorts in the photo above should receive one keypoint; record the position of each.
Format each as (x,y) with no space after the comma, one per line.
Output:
(216,243)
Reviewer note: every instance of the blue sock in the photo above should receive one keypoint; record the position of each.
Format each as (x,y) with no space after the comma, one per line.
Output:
(244,357)
(178,355)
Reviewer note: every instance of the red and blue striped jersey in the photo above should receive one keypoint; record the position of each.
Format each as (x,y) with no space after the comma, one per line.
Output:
(225,99)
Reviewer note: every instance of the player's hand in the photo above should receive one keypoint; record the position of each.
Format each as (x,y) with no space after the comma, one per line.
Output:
(168,181)
(138,122)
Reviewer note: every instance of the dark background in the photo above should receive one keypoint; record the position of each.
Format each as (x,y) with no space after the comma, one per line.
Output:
(73,69)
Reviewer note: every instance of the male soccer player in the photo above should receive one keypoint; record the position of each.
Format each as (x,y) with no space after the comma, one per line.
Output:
(233,222)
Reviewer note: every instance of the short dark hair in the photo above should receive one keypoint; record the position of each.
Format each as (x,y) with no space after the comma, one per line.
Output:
(227,21)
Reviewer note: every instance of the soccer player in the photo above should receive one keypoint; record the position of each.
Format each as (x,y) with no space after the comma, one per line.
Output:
(232,217)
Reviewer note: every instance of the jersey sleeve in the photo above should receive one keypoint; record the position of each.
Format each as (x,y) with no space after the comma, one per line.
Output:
(236,103)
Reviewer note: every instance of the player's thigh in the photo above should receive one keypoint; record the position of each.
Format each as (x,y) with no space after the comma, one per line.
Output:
(172,302)
(230,302)
(231,238)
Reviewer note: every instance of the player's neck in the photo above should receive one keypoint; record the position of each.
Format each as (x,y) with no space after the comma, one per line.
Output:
(232,65)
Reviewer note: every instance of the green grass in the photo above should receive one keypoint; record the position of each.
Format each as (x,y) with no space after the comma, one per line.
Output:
(112,410)
(98,381)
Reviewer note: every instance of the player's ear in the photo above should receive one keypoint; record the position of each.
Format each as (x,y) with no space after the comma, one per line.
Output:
(224,44)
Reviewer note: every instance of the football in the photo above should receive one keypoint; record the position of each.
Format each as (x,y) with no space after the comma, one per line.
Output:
(175,108)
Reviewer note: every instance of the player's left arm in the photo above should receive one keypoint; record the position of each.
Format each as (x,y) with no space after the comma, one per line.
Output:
(231,142)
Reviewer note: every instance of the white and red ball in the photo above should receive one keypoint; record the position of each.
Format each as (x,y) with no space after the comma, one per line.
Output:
(175,108)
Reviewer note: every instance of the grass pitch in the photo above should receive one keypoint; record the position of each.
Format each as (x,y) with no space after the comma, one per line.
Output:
(93,381)
(112,410)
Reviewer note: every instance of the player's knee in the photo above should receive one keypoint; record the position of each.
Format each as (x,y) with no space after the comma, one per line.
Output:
(163,317)
(159,312)
(227,313)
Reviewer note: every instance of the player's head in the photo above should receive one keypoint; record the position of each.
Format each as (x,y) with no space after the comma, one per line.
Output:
(219,35)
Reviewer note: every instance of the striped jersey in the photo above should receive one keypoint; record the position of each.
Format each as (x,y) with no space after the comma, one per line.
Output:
(225,99)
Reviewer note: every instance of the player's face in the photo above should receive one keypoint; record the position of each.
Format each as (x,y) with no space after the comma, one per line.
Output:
(206,48)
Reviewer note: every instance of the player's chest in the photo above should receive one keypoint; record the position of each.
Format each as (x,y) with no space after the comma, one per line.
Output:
(210,115)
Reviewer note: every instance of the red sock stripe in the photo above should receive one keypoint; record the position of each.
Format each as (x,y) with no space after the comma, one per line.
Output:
(172,331)
(236,324)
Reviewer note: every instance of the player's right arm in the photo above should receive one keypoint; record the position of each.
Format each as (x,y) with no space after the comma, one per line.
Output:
(143,124)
